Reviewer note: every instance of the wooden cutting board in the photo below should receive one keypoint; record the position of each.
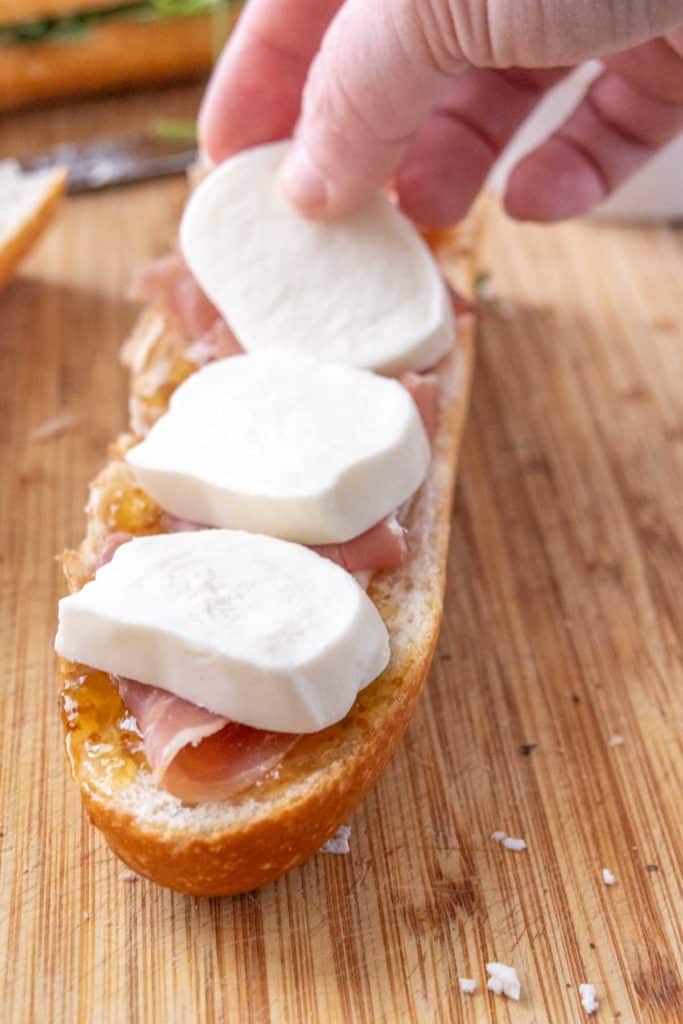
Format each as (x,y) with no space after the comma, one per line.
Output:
(563,630)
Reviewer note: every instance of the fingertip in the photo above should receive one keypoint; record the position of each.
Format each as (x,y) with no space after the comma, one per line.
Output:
(554,182)
(209,140)
(216,125)
(303,184)
(436,188)
(444,170)
(316,193)
(428,200)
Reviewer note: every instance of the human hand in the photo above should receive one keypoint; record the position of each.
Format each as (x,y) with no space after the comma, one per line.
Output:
(430,91)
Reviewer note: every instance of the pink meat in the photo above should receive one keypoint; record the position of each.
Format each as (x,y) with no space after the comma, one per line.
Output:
(111,545)
(196,755)
(383,546)
(169,283)
(424,390)
(217,343)
(171,524)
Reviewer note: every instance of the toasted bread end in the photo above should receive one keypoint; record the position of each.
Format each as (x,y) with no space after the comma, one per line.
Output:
(49,187)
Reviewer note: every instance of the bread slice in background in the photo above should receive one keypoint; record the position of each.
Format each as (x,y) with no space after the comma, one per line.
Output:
(235,846)
(116,55)
(14,12)
(27,204)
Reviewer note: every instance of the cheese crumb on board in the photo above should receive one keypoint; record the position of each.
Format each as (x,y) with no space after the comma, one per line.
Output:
(607,877)
(339,842)
(508,841)
(616,741)
(127,876)
(53,427)
(514,844)
(468,985)
(588,1000)
(503,980)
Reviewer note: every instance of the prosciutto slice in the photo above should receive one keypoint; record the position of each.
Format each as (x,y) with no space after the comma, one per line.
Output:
(217,343)
(424,390)
(383,546)
(196,755)
(168,282)
(112,543)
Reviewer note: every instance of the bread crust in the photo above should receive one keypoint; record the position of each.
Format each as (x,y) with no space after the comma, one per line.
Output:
(30,229)
(13,12)
(268,831)
(121,54)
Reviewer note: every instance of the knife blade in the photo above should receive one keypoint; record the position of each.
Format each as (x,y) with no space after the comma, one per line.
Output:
(107,163)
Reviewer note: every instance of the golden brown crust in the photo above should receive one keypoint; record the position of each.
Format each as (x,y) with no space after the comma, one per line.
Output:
(117,55)
(30,229)
(13,12)
(269,831)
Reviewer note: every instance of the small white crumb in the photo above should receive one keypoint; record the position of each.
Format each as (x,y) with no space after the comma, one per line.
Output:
(86,915)
(53,427)
(339,842)
(616,741)
(127,876)
(588,1000)
(498,836)
(514,844)
(468,985)
(607,877)
(503,978)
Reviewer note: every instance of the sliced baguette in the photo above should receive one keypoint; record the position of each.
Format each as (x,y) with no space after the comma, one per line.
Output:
(28,204)
(115,55)
(14,12)
(232,847)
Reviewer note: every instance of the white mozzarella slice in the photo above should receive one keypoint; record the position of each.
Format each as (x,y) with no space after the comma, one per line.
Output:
(282,444)
(258,630)
(363,290)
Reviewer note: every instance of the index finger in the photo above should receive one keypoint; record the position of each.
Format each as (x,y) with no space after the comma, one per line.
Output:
(254,94)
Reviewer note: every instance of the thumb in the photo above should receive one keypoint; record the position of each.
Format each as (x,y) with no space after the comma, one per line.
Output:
(384,64)
(369,88)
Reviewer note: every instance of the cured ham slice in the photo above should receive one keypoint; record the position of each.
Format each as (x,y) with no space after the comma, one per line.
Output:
(171,524)
(111,545)
(169,283)
(217,343)
(383,546)
(424,390)
(196,755)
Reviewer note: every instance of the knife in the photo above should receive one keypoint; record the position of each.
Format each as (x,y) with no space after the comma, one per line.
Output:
(110,162)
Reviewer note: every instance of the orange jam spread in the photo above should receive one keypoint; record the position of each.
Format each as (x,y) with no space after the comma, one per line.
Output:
(101,736)
(132,510)
(156,402)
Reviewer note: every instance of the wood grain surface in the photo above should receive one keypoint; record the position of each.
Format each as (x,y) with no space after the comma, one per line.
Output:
(562,630)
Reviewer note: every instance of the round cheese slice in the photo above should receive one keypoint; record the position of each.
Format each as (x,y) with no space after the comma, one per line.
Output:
(363,290)
(283,444)
(258,630)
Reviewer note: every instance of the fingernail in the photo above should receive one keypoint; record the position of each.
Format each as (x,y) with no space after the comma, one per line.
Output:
(302,182)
